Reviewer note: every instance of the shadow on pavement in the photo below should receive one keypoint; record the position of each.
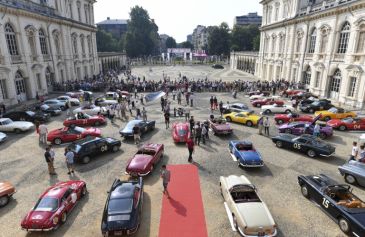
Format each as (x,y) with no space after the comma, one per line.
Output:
(97,162)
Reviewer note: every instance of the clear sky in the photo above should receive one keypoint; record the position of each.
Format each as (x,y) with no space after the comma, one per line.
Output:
(179,18)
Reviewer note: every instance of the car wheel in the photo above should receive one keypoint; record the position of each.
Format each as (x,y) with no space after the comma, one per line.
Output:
(115,148)
(4,200)
(322,135)
(311,153)
(83,191)
(280,121)
(350,179)
(85,159)
(152,127)
(288,130)
(311,111)
(57,141)
(287,111)
(267,111)
(344,225)
(327,118)
(249,123)
(279,144)
(64,217)
(342,128)
(228,119)
(17,130)
(62,108)
(235,222)
(97,123)
(304,191)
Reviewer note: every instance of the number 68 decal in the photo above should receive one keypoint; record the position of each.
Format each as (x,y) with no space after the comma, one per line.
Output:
(325,203)
(296,146)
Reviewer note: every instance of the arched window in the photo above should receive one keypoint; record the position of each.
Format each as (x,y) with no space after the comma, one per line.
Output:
(324,42)
(11,40)
(48,77)
(299,43)
(273,46)
(312,41)
(277,8)
(74,44)
(31,41)
(344,38)
(82,40)
(361,41)
(79,10)
(19,83)
(57,43)
(89,45)
(335,84)
(307,76)
(43,42)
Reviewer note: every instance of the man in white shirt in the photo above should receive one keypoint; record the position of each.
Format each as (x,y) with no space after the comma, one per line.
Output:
(43,131)
(354,151)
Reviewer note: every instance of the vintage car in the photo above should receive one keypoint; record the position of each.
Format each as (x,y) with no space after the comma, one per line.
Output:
(337,201)
(219,126)
(91,110)
(48,110)
(290,92)
(236,107)
(259,92)
(353,172)
(79,93)
(262,97)
(299,128)
(310,100)
(303,95)
(122,214)
(249,214)
(27,115)
(6,192)
(65,98)
(245,154)
(110,95)
(277,109)
(180,132)
(266,101)
(56,104)
(145,160)
(81,119)
(335,113)
(144,126)
(54,206)
(101,101)
(217,66)
(315,106)
(71,134)
(292,117)
(308,144)
(90,147)
(247,118)
(348,124)
(8,125)
(3,137)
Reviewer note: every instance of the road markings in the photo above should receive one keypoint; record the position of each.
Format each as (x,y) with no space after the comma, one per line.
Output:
(230,218)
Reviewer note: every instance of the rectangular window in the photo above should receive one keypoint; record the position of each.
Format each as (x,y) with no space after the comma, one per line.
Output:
(361,43)
(312,44)
(276,14)
(39,82)
(352,87)
(3,90)
(318,79)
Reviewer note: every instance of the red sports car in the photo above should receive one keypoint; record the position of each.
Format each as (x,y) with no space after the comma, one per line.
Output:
(54,205)
(82,119)
(286,118)
(144,161)
(180,132)
(266,101)
(258,92)
(347,124)
(290,92)
(220,126)
(70,134)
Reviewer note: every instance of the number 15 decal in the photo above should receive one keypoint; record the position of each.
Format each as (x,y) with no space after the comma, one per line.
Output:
(296,146)
(325,203)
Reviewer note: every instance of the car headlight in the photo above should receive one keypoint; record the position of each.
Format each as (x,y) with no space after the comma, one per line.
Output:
(55,220)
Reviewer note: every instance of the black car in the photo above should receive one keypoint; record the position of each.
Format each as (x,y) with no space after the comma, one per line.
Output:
(316,106)
(337,201)
(123,208)
(47,109)
(308,144)
(27,115)
(303,95)
(236,107)
(94,146)
(144,127)
(217,66)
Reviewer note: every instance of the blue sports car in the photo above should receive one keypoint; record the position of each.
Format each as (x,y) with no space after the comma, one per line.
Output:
(245,153)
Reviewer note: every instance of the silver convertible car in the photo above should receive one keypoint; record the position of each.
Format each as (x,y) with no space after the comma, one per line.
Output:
(353,172)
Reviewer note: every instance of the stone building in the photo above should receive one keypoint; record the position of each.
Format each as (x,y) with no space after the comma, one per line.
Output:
(320,43)
(200,37)
(44,42)
(249,19)
(116,27)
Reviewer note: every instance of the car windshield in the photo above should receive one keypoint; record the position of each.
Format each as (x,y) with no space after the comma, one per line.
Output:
(348,120)
(316,103)
(333,110)
(44,107)
(181,132)
(7,121)
(75,147)
(146,152)
(30,113)
(47,204)
(120,206)
(244,147)
(78,129)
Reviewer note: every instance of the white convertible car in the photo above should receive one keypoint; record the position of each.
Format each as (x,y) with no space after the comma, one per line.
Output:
(246,211)
(8,125)
(262,96)
(91,110)
(2,137)
(275,108)
(73,101)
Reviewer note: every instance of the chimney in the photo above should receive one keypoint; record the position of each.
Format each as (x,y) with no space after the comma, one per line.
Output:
(108,18)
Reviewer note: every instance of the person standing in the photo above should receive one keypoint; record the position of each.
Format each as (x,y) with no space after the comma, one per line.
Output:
(68,106)
(215,103)
(198,133)
(211,103)
(354,151)
(179,98)
(221,107)
(187,113)
(267,126)
(192,123)
(49,160)
(162,103)
(191,100)
(204,133)
(69,161)
(165,176)
(260,123)
(144,114)
(43,131)
(190,145)
(136,134)
(167,120)
(316,130)
(362,154)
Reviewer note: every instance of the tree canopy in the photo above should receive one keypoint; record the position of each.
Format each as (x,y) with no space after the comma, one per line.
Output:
(142,35)
(170,42)
(218,40)
(107,43)
(186,45)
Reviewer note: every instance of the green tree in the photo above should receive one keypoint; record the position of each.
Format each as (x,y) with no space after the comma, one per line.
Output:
(141,38)
(243,38)
(219,40)
(256,43)
(170,42)
(106,42)
(186,45)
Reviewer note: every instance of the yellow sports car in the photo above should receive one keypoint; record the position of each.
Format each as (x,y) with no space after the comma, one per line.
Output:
(335,113)
(247,118)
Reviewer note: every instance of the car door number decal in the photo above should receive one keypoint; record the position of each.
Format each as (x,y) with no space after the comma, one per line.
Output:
(297,146)
(356,126)
(325,202)
(104,148)
(78,136)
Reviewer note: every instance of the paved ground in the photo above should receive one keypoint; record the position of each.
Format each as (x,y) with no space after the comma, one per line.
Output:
(22,162)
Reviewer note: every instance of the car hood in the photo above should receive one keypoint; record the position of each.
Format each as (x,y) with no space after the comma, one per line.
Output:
(225,126)
(250,156)
(22,124)
(139,161)
(6,188)
(55,132)
(334,122)
(93,130)
(255,214)
(38,217)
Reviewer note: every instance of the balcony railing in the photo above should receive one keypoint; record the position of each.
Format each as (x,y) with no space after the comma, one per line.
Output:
(16,58)
(308,55)
(339,57)
(30,6)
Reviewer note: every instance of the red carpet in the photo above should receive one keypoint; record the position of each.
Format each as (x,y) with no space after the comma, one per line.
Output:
(183,214)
